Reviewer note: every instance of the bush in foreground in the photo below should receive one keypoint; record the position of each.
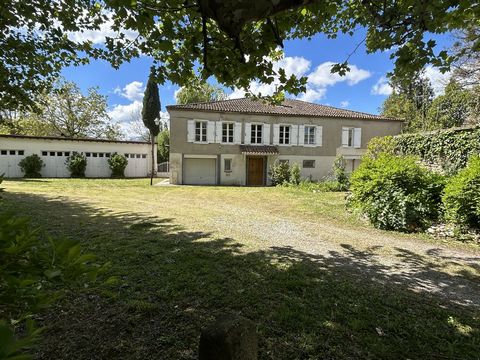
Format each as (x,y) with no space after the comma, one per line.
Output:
(396,193)
(31,166)
(76,164)
(462,196)
(117,164)
(34,270)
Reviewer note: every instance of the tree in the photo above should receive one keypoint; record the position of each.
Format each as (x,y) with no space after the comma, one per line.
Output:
(151,114)
(163,145)
(455,108)
(410,100)
(66,112)
(236,41)
(466,68)
(199,91)
(35,45)
(137,129)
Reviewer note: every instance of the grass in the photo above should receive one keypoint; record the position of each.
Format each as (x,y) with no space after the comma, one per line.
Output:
(180,264)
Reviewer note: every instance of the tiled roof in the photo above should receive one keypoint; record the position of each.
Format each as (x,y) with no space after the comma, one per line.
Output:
(71,139)
(259,149)
(289,107)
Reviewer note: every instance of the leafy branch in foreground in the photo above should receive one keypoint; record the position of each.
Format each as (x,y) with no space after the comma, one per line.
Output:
(35,270)
(236,41)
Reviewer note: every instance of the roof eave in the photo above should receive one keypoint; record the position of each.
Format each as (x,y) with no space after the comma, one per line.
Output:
(174,107)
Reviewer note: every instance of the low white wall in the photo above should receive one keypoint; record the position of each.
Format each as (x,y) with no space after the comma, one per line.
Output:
(54,153)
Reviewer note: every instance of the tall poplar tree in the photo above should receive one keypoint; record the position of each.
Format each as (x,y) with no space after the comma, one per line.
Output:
(151,113)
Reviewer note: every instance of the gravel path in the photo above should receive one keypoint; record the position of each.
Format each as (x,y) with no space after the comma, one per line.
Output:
(419,265)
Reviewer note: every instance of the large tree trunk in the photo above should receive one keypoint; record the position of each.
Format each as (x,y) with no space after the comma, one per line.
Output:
(153,158)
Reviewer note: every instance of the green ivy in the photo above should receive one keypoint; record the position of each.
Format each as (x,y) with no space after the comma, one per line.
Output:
(450,149)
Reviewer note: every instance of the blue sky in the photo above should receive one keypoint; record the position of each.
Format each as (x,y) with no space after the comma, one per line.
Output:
(363,89)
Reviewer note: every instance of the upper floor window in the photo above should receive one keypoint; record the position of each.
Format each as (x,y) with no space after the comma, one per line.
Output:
(309,136)
(201,131)
(351,137)
(227,132)
(284,134)
(256,134)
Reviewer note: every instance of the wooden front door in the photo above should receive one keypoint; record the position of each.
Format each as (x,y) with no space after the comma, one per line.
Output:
(255,171)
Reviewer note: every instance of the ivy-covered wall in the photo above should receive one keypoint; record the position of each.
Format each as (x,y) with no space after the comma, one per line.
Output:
(448,149)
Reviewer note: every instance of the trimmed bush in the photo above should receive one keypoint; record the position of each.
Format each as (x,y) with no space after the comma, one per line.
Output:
(117,164)
(280,173)
(76,164)
(295,174)
(462,196)
(396,193)
(31,166)
(339,174)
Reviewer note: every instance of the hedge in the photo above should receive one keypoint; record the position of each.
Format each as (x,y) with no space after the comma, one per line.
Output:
(450,148)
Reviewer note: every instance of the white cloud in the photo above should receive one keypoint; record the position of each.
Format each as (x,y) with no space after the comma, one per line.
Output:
(126,113)
(296,65)
(344,103)
(312,95)
(438,80)
(322,76)
(132,91)
(318,80)
(382,87)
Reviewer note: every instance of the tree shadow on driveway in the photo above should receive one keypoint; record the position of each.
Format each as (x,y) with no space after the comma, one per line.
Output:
(173,282)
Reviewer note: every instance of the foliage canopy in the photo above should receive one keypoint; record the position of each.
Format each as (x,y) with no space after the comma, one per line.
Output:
(236,41)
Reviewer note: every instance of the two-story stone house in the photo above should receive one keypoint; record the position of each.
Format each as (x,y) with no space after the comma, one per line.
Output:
(234,142)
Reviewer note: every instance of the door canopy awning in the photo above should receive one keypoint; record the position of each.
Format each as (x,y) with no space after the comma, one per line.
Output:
(259,149)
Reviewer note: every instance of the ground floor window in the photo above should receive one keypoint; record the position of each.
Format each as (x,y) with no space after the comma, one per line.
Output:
(308,164)
(227,165)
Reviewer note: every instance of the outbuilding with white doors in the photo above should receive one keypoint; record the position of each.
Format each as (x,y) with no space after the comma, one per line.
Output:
(54,152)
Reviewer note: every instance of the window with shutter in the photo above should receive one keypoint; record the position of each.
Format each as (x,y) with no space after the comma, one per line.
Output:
(348,137)
(256,133)
(200,131)
(285,134)
(227,133)
(309,135)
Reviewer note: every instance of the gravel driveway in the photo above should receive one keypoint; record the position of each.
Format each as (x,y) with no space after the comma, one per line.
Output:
(453,274)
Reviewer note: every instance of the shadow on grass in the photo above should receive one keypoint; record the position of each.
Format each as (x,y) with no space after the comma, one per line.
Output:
(174,282)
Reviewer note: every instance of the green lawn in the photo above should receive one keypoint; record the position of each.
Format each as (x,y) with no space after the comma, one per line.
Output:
(319,283)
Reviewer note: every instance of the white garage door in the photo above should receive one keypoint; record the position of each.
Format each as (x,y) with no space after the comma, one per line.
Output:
(199,171)
(138,165)
(9,160)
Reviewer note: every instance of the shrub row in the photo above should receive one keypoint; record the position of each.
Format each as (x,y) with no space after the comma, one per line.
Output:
(398,193)
(76,164)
